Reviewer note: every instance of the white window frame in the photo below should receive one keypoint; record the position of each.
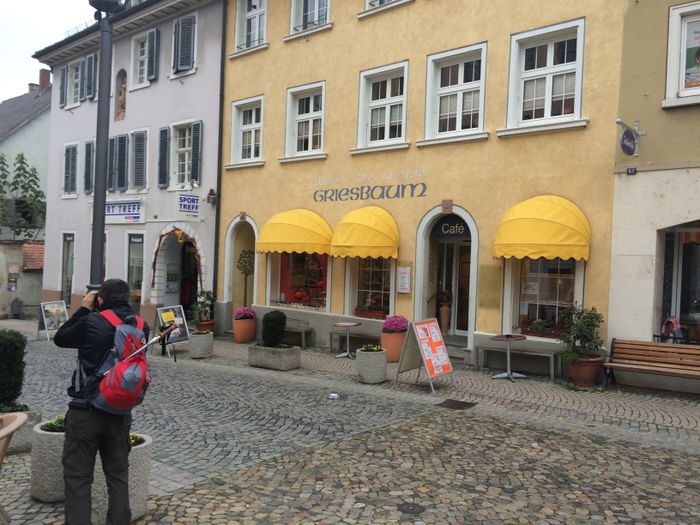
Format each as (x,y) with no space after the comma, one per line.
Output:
(73,87)
(546,35)
(175,184)
(676,93)
(240,43)
(367,78)
(131,184)
(296,19)
(293,118)
(352,272)
(238,128)
(433,91)
(511,293)
(136,59)
(372,7)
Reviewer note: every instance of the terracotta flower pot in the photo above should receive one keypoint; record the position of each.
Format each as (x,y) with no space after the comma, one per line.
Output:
(243,330)
(393,344)
(584,372)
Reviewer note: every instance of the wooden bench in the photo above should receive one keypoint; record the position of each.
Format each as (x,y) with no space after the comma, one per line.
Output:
(653,358)
(299,326)
(340,334)
(552,354)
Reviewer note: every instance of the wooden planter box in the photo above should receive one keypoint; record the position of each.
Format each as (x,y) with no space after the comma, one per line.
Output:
(370,314)
(274,358)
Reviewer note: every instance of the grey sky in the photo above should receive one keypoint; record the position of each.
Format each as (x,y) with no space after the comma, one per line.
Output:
(27,26)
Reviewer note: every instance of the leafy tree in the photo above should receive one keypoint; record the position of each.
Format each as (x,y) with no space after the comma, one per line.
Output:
(23,203)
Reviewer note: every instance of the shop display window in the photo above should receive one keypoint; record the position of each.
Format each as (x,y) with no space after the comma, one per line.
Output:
(303,280)
(373,288)
(546,289)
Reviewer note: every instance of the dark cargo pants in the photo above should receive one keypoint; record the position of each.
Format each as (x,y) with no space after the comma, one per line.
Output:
(86,433)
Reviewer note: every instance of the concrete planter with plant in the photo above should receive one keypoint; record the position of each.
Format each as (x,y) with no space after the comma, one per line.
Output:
(271,353)
(371,364)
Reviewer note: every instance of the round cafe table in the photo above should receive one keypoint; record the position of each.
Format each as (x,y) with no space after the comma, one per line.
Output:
(347,325)
(508,338)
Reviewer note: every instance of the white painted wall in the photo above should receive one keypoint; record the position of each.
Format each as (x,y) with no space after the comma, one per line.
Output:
(644,204)
(167,100)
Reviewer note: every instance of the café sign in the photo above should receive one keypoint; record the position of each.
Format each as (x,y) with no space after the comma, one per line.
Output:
(124,212)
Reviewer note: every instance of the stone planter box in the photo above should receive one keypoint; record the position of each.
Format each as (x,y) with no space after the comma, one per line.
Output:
(47,474)
(201,345)
(22,438)
(274,358)
(371,366)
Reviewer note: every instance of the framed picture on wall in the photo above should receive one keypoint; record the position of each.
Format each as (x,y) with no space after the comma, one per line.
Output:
(174,314)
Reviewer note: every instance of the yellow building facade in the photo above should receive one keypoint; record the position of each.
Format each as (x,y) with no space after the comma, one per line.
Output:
(421,154)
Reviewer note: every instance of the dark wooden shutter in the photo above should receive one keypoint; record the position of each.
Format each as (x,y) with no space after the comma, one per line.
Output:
(82,76)
(163,157)
(89,166)
(110,164)
(196,169)
(63,87)
(184,43)
(140,141)
(122,162)
(91,77)
(69,169)
(153,45)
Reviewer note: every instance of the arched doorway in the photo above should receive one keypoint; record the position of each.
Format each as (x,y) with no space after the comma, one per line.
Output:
(447,247)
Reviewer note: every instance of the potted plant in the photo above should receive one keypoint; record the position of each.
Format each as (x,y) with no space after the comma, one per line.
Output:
(393,336)
(202,310)
(580,336)
(244,325)
(12,351)
(201,344)
(271,353)
(47,470)
(371,364)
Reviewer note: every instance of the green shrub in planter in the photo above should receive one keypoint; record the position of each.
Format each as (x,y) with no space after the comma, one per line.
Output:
(12,345)
(273,326)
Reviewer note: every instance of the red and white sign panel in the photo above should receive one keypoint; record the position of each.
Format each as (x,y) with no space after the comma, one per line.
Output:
(432,347)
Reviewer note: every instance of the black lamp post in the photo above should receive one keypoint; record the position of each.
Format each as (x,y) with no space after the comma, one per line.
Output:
(105,10)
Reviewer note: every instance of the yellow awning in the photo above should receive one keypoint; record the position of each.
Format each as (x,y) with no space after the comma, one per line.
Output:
(301,231)
(544,226)
(368,232)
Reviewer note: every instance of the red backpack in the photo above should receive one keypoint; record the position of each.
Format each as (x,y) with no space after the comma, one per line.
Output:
(124,378)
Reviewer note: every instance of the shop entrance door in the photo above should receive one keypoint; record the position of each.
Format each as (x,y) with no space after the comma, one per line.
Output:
(454,265)
(188,276)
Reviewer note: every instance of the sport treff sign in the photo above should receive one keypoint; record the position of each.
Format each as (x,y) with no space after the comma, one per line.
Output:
(424,347)
(124,212)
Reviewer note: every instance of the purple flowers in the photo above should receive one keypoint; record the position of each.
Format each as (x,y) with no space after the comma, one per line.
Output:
(394,324)
(244,313)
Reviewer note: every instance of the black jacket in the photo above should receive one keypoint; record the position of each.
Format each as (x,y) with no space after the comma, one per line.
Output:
(92,335)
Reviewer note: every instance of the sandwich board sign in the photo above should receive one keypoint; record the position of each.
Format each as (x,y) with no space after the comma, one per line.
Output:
(424,347)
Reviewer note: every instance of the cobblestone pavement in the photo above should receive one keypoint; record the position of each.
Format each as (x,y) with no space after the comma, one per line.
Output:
(234,444)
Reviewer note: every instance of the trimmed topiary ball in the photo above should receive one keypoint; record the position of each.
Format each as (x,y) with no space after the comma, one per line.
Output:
(12,345)
(273,326)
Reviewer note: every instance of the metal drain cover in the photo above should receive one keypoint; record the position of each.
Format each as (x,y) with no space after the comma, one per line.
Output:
(410,508)
(455,404)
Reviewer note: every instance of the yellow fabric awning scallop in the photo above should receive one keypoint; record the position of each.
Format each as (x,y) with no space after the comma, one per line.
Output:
(544,226)
(300,230)
(368,232)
